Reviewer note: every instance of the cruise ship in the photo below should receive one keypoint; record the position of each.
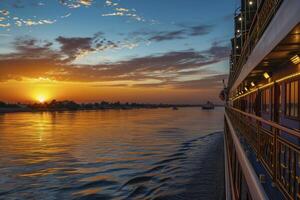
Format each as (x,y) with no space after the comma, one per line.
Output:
(262,114)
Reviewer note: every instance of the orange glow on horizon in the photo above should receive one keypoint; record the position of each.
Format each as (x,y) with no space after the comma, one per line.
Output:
(28,91)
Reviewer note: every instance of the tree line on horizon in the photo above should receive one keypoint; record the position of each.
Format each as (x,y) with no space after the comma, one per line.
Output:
(72,105)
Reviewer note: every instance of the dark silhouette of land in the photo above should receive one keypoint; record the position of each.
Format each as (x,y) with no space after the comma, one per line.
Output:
(66,105)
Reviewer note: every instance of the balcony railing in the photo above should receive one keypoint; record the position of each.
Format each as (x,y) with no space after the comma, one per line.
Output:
(241,180)
(276,146)
(259,24)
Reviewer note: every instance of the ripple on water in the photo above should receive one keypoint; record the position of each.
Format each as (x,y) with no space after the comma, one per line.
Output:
(159,158)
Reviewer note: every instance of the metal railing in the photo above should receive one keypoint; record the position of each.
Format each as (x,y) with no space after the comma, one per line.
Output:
(276,146)
(259,24)
(243,182)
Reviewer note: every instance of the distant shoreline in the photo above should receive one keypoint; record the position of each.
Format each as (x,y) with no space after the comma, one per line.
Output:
(20,110)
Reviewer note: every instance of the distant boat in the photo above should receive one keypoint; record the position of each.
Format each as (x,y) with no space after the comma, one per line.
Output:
(175,108)
(208,106)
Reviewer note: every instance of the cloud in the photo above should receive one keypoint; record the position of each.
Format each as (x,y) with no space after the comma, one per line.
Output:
(35,59)
(218,51)
(4,21)
(182,33)
(75,47)
(111,3)
(10,20)
(5,25)
(76,3)
(30,48)
(113,14)
(7,20)
(86,2)
(199,30)
(66,15)
(4,12)
(32,59)
(30,22)
(117,10)
(211,82)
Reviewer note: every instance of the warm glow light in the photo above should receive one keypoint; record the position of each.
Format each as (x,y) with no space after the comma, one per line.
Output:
(250,2)
(288,77)
(295,59)
(267,85)
(266,75)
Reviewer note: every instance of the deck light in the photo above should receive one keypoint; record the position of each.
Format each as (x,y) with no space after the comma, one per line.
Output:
(250,3)
(288,77)
(240,18)
(246,89)
(295,59)
(237,47)
(238,30)
(252,84)
(266,75)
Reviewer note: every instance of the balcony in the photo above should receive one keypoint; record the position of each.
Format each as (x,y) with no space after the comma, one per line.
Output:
(276,149)
(251,34)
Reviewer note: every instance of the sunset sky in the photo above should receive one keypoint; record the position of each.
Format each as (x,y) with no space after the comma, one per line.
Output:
(152,51)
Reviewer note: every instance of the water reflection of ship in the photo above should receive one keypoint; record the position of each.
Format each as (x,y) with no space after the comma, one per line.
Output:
(208,106)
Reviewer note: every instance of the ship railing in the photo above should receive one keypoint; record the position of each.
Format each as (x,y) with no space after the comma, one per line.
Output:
(241,179)
(276,147)
(259,24)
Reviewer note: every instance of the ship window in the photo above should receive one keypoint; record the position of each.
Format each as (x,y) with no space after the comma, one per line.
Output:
(266,100)
(279,100)
(253,97)
(292,99)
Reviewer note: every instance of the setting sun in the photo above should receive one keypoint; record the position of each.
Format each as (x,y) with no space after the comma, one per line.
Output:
(41,94)
(41,98)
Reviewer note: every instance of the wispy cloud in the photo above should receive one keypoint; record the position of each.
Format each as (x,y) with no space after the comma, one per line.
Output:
(31,22)
(111,3)
(66,15)
(7,20)
(179,33)
(117,10)
(86,2)
(4,19)
(76,3)
(5,25)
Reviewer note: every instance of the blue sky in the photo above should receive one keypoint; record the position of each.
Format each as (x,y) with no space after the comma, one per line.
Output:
(170,37)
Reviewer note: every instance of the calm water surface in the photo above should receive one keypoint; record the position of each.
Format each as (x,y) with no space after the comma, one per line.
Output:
(127,154)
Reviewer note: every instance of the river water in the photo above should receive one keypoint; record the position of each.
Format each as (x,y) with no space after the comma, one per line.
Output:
(113,154)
